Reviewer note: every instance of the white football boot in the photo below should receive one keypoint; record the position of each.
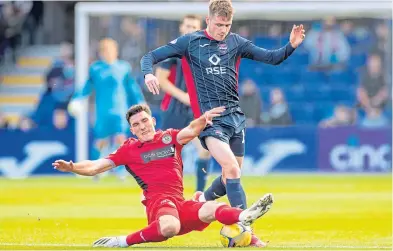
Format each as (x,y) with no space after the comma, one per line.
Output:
(258,209)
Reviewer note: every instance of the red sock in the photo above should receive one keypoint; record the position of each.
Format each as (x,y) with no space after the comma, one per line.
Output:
(150,233)
(228,215)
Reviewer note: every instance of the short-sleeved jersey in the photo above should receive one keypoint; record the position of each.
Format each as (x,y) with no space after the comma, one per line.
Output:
(156,165)
(211,67)
(174,106)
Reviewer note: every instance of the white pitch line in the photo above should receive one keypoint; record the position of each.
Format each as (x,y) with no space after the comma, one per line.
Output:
(292,246)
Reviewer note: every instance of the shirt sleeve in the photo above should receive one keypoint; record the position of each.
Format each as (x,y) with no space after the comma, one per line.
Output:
(273,57)
(174,133)
(87,88)
(119,157)
(176,48)
(168,64)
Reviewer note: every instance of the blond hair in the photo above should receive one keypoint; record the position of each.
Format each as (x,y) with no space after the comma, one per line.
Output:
(221,8)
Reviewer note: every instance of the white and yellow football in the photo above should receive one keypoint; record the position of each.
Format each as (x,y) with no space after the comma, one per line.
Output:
(235,235)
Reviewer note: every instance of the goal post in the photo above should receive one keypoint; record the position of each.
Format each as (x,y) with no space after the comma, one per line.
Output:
(266,10)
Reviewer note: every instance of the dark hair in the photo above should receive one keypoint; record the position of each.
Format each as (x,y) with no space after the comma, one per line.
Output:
(135,109)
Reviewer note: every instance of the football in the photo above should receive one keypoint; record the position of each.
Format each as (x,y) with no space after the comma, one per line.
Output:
(235,235)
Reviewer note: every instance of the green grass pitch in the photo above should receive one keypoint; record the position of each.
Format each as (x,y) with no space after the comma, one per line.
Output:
(311,212)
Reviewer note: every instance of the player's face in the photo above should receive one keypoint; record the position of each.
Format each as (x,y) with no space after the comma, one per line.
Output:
(190,25)
(218,27)
(108,51)
(142,126)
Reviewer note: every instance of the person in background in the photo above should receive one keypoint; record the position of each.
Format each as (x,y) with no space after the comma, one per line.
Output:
(373,90)
(278,114)
(60,78)
(251,103)
(328,46)
(374,119)
(342,116)
(115,90)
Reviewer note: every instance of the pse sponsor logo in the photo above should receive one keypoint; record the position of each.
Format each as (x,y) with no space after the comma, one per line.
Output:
(161,153)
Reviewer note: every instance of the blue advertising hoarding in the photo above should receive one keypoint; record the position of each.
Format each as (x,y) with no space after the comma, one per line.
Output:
(285,149)
(31,153)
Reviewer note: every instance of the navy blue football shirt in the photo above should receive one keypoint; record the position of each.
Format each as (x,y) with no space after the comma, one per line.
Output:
(211,67)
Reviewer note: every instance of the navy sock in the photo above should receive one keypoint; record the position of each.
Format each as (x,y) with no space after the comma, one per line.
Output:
(202,168)
(216,190)
(236,195)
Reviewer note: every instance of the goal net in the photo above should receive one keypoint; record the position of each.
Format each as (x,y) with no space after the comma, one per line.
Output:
(141,26)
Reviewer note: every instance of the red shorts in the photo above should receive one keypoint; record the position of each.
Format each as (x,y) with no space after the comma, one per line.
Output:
(184,210)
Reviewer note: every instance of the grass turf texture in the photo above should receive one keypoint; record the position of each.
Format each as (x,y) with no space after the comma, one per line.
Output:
(311,212)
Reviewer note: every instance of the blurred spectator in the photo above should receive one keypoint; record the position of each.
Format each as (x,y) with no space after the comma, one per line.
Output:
(278,113)
(132,42)
(244,31)
(275,31)
(328,47)
(34,20)
(3,121)
(60,78)
(251,103)
(374,119)
(60,119)
(25,124)
(343,116)
(373,90)
(12,18)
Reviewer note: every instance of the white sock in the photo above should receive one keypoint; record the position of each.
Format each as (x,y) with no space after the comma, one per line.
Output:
(202,198)
(123,241)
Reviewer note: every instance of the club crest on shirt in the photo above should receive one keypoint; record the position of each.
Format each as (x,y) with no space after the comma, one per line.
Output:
(223,48)
(166,139)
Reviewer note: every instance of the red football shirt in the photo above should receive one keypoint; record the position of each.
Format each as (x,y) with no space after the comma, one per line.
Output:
(156,165)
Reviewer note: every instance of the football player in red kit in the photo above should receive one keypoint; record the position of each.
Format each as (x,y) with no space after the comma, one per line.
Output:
(154,160)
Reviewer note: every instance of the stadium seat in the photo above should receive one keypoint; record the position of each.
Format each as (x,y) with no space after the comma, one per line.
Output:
(343,77)
(313,77)
(357,60)
(323,110)
(302,113)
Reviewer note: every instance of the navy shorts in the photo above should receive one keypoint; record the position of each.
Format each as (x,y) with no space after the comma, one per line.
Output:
(175,121)
(230,129)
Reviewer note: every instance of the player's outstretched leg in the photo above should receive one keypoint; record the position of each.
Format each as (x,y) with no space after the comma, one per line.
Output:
(227,215)
(160,230)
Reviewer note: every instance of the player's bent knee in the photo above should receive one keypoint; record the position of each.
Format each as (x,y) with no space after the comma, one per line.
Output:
(232,171)
(169,226)
(207,212)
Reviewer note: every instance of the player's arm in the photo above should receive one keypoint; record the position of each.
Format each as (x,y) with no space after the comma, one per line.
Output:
(196,126)
(274,57)
(79,95)
(162,73)
(85,168)
(176,48)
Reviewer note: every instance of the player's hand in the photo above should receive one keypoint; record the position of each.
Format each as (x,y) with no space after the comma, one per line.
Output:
(297,35)
(211,114)
(63,166)
(152,84)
